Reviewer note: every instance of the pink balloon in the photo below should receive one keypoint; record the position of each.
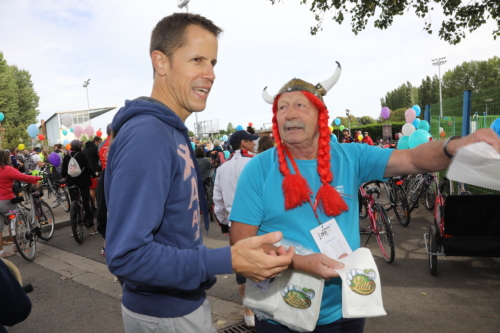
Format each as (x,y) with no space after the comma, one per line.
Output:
(78,130)
(89,130)
(410,115)
(450,123)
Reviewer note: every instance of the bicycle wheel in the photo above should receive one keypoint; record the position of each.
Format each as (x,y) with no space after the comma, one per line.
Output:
(433,246)
(383,232)
(26,203)
(430,195)
(401,208)
(444,187)
(77,226)
(46,221)
(63,195)
(363,213)
(24,239)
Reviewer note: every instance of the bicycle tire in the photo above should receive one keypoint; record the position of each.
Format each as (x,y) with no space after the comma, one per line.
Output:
(77,225)
(46,222)
(433,246)
(363,208)
(401,208)
(63,195)
(416,194)
(23,237)
(430,195)
(389,190)
(444,187)
(383,232)
(26,203)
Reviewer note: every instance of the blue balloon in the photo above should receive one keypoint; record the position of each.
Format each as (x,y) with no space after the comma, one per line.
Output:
(239,128)
(403,142)
(496,126)
(71,129)
(226,154)
(337,121)
(416,122)
(417,110)
(32,130)
(224,138)
(418,137)
(424,125)
(445,118)
(65,142)
(64,132)
(2,116)
(333,138)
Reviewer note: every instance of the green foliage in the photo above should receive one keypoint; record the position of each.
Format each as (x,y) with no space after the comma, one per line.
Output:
(461,16)
(366,120)
(230,128)
(18,102)
(190,134)
(405,96)
(375,130)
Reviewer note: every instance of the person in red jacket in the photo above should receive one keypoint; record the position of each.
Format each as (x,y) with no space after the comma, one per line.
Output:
(7,176)
(367,139)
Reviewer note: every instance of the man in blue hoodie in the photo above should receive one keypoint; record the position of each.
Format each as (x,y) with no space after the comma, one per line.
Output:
(154,241)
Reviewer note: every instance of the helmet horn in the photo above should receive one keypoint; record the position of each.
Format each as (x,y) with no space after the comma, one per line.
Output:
(329,83)
(268,98)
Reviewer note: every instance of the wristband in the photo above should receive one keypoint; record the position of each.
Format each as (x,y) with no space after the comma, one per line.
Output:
(450,156)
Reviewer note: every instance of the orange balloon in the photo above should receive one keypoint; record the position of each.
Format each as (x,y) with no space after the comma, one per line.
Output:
(68,146)
(442,134)
(250,124)
(41,137)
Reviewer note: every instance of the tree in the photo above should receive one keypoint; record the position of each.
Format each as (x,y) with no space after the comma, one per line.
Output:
(366,120)
(190,134)
(461,16)
(230,128)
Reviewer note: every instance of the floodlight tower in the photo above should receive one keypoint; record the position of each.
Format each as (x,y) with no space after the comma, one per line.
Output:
(86,86)
(183,3)
(438,62)
(347,111)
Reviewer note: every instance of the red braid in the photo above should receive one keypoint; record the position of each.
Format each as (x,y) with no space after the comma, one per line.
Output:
(295,188)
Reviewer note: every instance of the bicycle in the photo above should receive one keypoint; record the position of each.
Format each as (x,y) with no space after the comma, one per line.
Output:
(77,214)
(380,224)
(29,224)
(55,184)
(446,187)
(423,186)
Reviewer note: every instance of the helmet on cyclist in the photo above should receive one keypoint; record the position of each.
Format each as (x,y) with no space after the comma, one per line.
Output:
(75,144)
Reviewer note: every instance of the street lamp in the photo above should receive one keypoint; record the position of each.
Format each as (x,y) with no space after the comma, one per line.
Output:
(438,62)
(86,86)
(183,3)
(349,120)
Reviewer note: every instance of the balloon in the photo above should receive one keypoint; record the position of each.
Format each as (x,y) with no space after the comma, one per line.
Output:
(341,127)
(226,154)
(78,130)
(58,141)
(71,129)
(2,116)
(337,121)
(224,138)
(442,134)
(32,130)
(65,132)
(89,130)
(445,118)
(418,137)
(65,142)
(66,120)
(54,159)
(495,126)
(250,124)
(423,124)
(41,137)
(408,129)
(21,146)
(410,115)
(385,112)
(68,146)
(441,129)
(417,110)
(403,142)
(193,146)
(416,122)
(239,128)
(360,137)
(98,133)
(450,123)
(331,128)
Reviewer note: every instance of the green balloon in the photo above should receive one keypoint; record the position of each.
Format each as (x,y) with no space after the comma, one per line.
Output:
(341,127)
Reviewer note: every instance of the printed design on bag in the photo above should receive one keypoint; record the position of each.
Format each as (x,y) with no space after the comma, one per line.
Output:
(362,282)
(297,297)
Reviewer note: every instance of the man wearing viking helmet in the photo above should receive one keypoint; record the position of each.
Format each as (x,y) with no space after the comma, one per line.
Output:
(306,180)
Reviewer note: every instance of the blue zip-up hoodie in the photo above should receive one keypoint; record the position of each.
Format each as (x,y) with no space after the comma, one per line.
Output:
(153,236)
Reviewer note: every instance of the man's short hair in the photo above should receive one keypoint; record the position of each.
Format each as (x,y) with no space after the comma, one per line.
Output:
(59,146)
(97,139)
(168,35)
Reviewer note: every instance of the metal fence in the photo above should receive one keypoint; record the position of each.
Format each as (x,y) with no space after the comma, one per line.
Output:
(481,109)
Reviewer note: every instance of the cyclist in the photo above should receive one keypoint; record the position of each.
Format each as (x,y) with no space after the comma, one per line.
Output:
(7,176)
(82,181)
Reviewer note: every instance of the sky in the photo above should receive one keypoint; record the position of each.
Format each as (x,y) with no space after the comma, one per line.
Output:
(62,43)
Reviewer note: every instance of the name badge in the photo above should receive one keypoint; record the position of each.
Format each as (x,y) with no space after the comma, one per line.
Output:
(262,285)
(330,239)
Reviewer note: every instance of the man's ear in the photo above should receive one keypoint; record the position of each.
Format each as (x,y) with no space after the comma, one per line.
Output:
(160,61)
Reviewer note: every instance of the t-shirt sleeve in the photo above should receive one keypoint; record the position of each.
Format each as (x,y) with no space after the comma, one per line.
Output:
(248,200)
(372,162)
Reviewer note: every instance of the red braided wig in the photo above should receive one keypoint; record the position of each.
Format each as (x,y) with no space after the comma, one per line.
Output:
(295,188)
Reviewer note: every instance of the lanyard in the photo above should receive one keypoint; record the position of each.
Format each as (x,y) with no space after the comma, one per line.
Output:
(297,172)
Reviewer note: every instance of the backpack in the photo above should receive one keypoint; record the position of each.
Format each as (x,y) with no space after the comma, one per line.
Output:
(217,158)
(74,169)
(30,165)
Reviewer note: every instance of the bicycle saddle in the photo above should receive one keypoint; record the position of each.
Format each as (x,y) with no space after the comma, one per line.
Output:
(370,189)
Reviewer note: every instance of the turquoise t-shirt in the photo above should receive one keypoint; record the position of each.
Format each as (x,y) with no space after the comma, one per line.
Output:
(259,201)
